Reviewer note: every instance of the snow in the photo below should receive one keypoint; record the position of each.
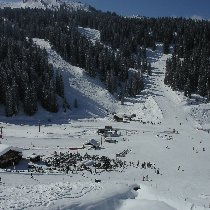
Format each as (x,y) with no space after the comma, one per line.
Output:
(146,204)
(91,34)
(45,4)
(93,142)
(93,99)
(169,131)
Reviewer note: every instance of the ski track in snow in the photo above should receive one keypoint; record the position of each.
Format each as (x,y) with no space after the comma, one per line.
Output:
(23,197)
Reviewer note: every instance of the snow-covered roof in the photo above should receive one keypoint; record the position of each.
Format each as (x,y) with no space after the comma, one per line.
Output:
(93,142)
(5,148)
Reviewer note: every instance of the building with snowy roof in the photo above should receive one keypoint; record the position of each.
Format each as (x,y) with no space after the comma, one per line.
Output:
(9,155)
(93,143)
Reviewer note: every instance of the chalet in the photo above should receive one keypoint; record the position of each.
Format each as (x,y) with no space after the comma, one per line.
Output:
(108,128)
(111,134)
(9,155)
(110,140)
(117,118)
(108,131)
(101,131)
(124,117)
(104,130)
(95,144)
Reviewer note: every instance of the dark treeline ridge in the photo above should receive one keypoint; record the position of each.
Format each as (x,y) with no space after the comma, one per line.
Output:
(26,77)
(60,28)
(189,68)
(124,46)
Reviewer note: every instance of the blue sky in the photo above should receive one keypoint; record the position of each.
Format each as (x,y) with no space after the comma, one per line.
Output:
(155,8)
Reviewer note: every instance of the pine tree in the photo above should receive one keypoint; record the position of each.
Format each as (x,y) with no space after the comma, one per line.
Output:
(166,48)
(9,103)
(202,85)
(52,105)
(65,105)
(149,69)
(208,89)
(75,103)
(187,89)
(30,100)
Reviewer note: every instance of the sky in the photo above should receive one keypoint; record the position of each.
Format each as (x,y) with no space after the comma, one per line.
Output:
(197,9)
(155,8)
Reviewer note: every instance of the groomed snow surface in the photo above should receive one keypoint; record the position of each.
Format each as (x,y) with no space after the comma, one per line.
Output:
(168,131)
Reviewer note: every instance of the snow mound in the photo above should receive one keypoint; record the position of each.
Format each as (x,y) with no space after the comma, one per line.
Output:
(151,110)
(146,204)
(109,201)
(201,113)
(46,4)
(91,34)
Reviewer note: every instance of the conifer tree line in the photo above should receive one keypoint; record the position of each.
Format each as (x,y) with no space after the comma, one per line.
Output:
(26,77)
(61,29)
(122,46)
(189,68)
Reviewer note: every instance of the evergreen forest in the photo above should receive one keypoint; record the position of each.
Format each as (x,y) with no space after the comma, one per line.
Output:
(27,79)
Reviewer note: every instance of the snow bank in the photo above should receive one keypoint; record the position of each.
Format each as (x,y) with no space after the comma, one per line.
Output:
(145,205)
(201,113)
(112,200)
(152,111)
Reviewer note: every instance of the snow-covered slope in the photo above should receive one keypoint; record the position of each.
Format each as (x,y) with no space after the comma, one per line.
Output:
(165,133)
(91,34)
(93,98)
(46,4)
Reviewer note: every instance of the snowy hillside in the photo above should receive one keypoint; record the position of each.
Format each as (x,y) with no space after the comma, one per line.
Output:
(167,135)
(93,99)
(91,34)
(46,4)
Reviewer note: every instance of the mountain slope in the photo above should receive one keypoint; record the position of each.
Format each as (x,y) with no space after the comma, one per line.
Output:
(46,4)
(93,99)
(182,158)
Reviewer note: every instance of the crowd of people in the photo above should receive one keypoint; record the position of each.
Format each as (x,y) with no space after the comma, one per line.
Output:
(74,162)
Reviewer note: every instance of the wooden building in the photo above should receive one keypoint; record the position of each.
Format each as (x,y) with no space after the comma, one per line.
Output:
(9,155)
(95,144)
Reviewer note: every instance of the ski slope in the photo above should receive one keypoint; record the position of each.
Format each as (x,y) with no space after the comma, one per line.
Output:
(168,131)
